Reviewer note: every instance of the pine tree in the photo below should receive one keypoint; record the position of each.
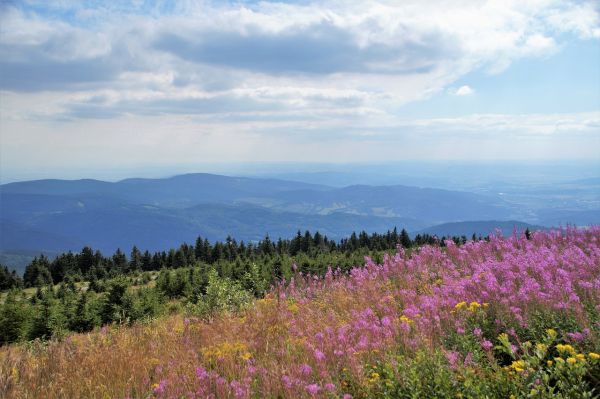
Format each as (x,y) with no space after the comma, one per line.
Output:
(135,260)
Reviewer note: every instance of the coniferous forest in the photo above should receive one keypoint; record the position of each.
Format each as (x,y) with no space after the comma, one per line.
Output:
(81,291)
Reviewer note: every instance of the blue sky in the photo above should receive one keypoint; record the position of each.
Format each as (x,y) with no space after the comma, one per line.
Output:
(106,85)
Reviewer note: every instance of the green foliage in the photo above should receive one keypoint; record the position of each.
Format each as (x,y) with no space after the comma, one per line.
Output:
(222,295)
(544,369)
(37,273)
(49,319)
(206,277)
(9,280)
(87,315)
(14,318)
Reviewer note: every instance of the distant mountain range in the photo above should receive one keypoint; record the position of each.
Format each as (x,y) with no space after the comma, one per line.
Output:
(157,214)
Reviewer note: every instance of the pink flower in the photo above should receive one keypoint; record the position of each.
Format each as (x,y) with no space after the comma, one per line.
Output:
(305,369)
(319,356)
(452,358)
(486,345)
(313,389)
(160,388)
(201,373)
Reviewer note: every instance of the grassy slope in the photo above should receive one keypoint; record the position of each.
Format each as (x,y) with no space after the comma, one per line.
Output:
(344,335)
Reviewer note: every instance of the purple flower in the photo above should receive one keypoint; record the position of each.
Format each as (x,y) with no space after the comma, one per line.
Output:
(319,356)
(305,369)
(201,373)
(160,387)
(452,358)
(313,389)
(486,345)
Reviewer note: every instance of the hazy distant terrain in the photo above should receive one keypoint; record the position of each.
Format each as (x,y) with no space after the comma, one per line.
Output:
(156,214)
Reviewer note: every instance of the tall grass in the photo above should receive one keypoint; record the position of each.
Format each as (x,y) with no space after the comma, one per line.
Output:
(506,317)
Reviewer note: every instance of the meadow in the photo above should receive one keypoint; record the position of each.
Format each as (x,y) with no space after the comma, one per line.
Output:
(511,317)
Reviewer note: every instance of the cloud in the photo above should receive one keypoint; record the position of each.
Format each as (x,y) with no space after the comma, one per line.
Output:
(111,74)
(464,91)
(374,47)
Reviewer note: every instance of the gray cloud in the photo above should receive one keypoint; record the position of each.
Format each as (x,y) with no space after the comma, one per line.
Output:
(223,104)
(320,48)
(44,74)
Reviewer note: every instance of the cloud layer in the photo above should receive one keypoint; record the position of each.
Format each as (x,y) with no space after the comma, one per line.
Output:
(264,67)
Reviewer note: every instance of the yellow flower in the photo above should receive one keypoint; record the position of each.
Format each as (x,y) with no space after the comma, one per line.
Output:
(404,319)
(541,347)
(580,356)
(549,363)
(551,333)
(374,378)
(565,348)
(292,307)
(518,366)
(594,355)
(559,360)
(460,305)
(245,356)
(571,360)
(473,306)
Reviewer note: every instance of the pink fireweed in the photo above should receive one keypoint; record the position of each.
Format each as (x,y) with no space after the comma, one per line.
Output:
(406,303)
(322,336)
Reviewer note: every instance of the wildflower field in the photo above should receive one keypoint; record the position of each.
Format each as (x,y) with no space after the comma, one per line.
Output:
(508,317)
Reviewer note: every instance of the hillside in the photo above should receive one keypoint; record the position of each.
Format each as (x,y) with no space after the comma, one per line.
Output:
(59,215)
(435,323)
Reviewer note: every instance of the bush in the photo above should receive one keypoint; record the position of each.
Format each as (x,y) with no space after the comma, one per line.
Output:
(222,295)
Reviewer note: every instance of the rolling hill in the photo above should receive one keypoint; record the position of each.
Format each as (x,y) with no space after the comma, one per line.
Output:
(157,214)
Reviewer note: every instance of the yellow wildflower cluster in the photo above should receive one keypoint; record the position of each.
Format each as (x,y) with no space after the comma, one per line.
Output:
(565,348)
(471,307)
(541,347)
(404,319)
(293,307)
(374,378)
(573,357)
(518,366)
(227,350)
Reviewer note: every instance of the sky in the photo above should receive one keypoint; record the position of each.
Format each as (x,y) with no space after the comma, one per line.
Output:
(92,87)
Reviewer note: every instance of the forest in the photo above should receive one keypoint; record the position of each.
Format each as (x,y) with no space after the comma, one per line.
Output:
(77,292)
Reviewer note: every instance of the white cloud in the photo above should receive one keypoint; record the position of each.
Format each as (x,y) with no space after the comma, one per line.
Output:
(391,52)
(464,91)
(225,76)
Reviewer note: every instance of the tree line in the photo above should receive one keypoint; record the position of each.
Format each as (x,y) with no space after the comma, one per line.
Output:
(85,290)
(92,265)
